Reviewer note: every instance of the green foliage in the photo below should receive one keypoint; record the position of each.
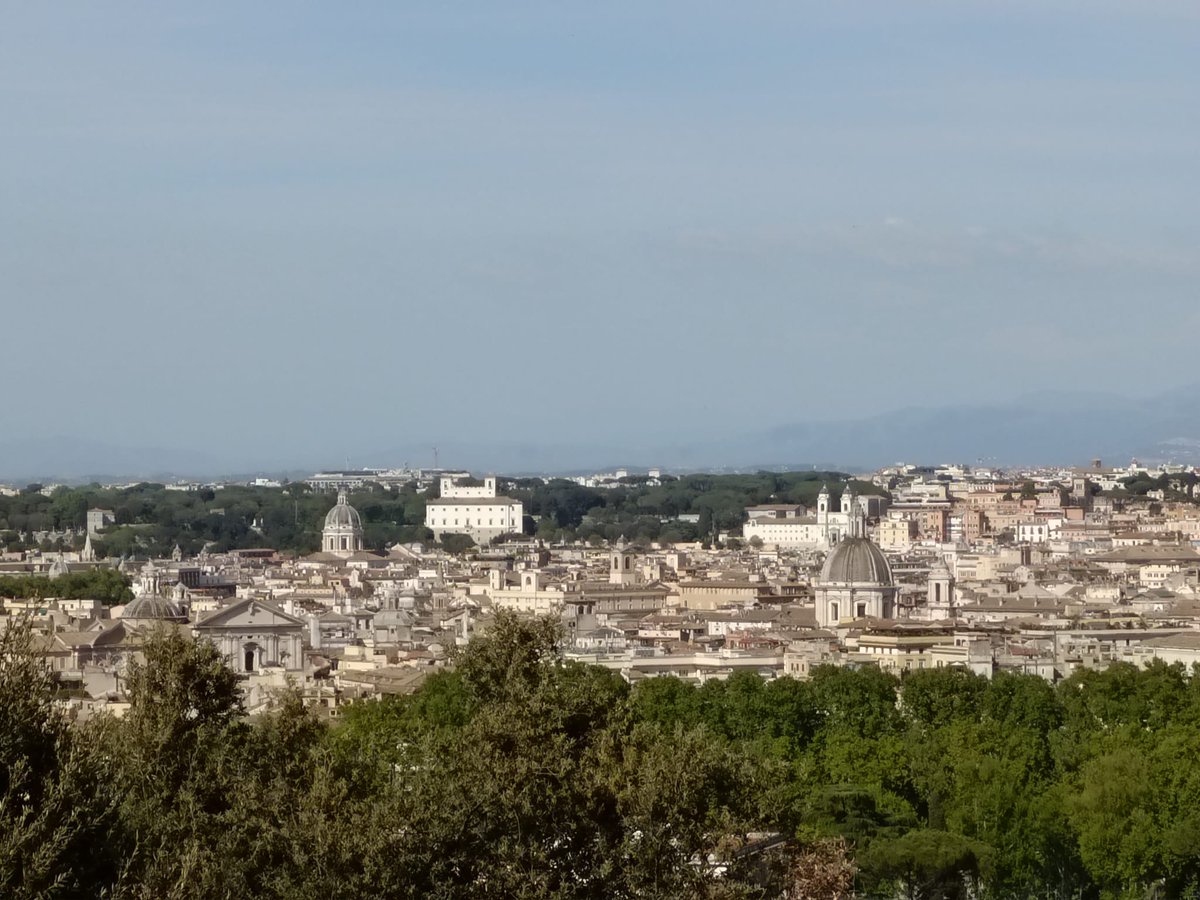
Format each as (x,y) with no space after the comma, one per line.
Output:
(641,511)
(151,520)
(937,697)
(457,543)
(926,863)
(519,774)
(108,586)
(56,798)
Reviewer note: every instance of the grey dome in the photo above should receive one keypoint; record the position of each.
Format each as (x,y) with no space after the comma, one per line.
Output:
(150,606)
(856,560)
(343,515)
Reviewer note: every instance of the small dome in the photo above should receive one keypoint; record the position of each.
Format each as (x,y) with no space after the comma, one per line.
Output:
(856,560)
(343,515)
(149,606)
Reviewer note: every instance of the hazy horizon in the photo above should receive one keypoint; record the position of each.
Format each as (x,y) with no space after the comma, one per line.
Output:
(311,232)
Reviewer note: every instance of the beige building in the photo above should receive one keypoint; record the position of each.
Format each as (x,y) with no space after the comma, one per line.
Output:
(531,593)
(903,647)
(719,593)
(897,535)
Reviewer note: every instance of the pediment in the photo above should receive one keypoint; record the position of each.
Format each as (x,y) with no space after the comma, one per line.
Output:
(249,613)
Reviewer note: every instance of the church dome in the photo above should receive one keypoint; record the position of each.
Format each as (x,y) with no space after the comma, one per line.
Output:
(343,515)
(149,606)
(858,561)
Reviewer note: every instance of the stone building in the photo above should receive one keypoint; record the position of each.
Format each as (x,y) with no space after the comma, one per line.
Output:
(253,635)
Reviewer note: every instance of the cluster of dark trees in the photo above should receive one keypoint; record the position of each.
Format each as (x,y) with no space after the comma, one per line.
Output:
(641,511)
(516,774)
(108,586)
(151,521)
(1181,486)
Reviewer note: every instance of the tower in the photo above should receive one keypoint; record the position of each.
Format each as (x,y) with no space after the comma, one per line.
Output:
(940,601)
(620,567)
(150,580)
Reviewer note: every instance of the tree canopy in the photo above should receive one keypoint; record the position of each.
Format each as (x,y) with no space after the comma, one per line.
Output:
(516,773)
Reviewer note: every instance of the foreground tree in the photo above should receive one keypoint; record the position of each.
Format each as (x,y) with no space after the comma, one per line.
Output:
(56,801)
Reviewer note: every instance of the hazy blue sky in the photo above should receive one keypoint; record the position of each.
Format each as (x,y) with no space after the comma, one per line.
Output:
(322,229)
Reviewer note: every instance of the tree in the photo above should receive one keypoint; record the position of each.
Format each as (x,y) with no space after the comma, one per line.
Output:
(936,697)
(183,690)
(927,864)
(55,800)
(457,543)
(821,870)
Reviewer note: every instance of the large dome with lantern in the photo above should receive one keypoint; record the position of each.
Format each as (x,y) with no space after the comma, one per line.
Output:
(343,531)
(856,560)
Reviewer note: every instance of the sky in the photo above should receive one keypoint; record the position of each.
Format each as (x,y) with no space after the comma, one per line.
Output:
(314,232)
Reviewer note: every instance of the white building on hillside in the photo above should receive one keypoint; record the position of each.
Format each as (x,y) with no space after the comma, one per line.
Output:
(474,510)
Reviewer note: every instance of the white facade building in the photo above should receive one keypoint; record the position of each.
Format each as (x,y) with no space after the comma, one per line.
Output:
(813,532)
(474,510)
(1033,532)
(797,532)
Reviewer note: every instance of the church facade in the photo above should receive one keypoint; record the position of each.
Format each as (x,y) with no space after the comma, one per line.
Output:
(818,532)
(253,635)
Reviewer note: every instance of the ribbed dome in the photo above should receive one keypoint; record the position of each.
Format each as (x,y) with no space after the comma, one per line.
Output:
(856,560)
(150,606)
(343,515)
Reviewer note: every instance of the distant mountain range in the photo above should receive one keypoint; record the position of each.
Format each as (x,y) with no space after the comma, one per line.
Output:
(1044,428)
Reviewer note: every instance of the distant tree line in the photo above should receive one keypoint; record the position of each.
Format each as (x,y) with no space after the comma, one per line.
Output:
(108,586)
(151,520)
(641,511)
(1179,486)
